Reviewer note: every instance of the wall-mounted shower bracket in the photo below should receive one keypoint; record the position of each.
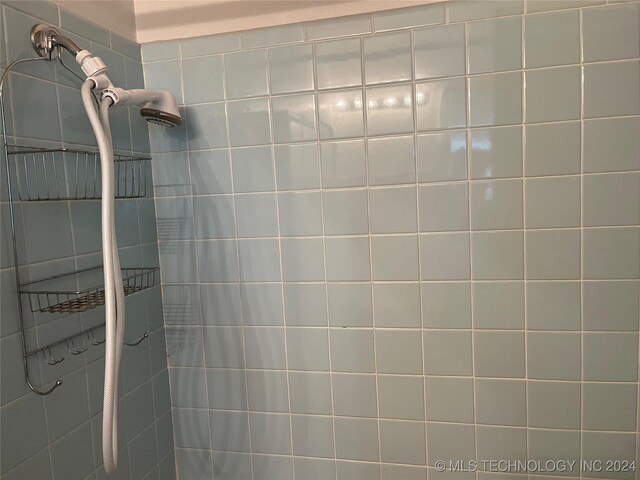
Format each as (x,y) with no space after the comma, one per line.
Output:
(47,40)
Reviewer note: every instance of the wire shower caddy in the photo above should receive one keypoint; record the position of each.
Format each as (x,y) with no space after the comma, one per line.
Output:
(66,174)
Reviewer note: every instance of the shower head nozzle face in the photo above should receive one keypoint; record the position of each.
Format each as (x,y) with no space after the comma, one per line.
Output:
(158,117)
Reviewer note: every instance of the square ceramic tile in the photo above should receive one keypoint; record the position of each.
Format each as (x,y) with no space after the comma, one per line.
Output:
(495,45)
(227,389)
(547,5)
(203,79)
(249,122)
(393,210)
(399,351)
(391,160)
(387,57)
(352,350)
(498,305)
(445,256)
(345,212)
(294,118)
(610,356)
(611,253)
(207,165)
(340,114)
(446,305)
(552,149)
(259,260)
(553,355)
(610,406)
(305,304)
(297,166)
(496,152)
(217,261)
(553,306)
(496,205)
(553,94)
(265,348)
(402,442)
(499,354)
(447,441)
(401,397)
(354,395)
(389,110)
(449,399)
(164,76)
(299,214)
(350,305)
(356,439)
(447,353)
(291,68)
(595,445)
(213,217)
(261,304)
(496,99)
(246,73)
(611,306)
(310,392)
(442,156)
(196,46)
(302,259)
(223,347)
(498,255)
(270,433)
(439,51)
(611,144)
(343,164)
(552,202)
(611,199)
(252,170)
(501,402)
(320,444)
(624,38)
(552,39)
(347,259)
(443,207)
(207,125)
(256,215)
(395,258)
(236,426)
(338,27)
(610,89)
(265,37)
(553,254)
(397,305)
(501,442)
(338,63)
(307,348)
(430,96)
(554,404)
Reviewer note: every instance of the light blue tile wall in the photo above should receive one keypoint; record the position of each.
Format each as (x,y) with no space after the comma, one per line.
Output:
(59,436)
(417,238)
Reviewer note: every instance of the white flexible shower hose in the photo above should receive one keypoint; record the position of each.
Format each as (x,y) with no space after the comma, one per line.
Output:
(113,286)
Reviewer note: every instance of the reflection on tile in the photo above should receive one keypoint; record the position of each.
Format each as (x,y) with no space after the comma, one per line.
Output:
(496,99)
(387,58)
(496,152)
(246,74)
(340,114)
(291,68)
(343,164)
(391,160)
(338,63)
(440,104)
(439,51)
(389,110)
(207,126)
(552,39)
(496,205)
(297,166)
(249,122)
(442,156)
(294,118)
(495,45)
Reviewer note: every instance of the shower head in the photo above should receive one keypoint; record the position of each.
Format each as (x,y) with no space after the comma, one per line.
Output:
(157,107)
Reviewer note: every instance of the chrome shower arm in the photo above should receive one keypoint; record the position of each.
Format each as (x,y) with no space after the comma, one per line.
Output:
(45,39)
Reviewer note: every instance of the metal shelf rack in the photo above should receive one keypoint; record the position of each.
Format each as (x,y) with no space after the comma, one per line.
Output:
(65,174)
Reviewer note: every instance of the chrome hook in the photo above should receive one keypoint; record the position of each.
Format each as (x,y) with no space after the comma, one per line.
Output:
(93,340)
(135,342)
(51,360)
(75,350)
